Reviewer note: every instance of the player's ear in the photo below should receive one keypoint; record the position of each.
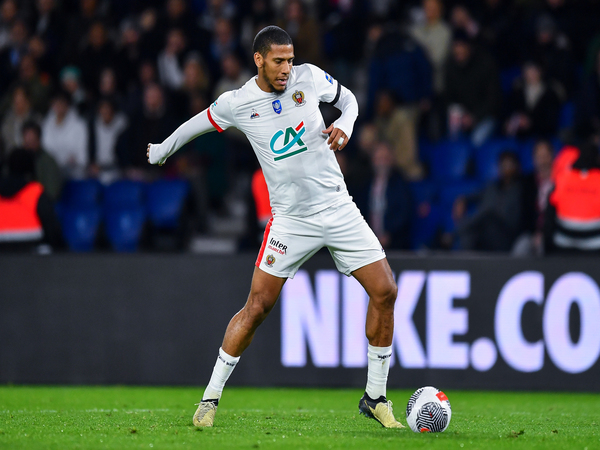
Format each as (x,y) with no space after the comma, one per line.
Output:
(258,60)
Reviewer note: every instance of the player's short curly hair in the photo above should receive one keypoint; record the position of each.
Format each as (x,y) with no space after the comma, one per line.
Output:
(268,36)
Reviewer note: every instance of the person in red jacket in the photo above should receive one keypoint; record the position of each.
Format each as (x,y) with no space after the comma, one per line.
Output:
(27,216)
(574,205)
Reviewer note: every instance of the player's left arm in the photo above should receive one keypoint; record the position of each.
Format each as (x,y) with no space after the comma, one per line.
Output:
(341,130)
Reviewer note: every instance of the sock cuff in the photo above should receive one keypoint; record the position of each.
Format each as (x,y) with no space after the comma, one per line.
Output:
(228,359)
(383,351)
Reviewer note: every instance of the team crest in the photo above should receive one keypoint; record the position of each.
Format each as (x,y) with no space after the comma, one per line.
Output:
(254,114)
(277,106)
(270,260)
(298,98)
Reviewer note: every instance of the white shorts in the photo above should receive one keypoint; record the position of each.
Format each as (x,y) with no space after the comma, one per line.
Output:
(290,241)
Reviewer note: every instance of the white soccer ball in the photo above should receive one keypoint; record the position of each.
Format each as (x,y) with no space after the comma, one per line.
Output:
(428,411)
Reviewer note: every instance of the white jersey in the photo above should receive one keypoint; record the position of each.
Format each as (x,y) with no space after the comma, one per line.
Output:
(285,131)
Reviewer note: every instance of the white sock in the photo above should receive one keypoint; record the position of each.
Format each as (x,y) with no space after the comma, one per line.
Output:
(223,368)
(378,369)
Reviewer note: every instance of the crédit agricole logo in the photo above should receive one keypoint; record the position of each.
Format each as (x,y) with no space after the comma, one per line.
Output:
(292,140)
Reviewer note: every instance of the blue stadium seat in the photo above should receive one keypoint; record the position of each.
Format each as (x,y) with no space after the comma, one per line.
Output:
(508,77)
(424,228)
(567,116)
(124,227)
(423,191)
(450,160)
(449,193)
(80,193)
(486,156)
(80,227)
(164,201)
(124,194)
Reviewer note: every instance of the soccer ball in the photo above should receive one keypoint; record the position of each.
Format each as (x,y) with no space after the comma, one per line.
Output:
(428,410)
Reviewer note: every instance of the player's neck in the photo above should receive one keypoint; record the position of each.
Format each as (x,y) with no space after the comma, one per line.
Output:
(264,85)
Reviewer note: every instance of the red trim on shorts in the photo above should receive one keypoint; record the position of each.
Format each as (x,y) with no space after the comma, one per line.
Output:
(214,124)
(264,243)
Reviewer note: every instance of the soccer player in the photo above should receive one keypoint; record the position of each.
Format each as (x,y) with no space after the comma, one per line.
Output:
(278,110)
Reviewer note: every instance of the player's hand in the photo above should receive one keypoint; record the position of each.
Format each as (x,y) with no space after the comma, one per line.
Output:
(335,137)
(148,155)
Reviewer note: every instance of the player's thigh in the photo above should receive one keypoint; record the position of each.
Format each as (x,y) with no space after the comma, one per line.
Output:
(350,240)
(289,242)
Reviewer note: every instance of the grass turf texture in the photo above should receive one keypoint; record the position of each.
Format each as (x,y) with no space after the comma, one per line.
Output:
(161,418)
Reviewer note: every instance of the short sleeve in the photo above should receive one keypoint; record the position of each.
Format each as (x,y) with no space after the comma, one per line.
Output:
(220,114)
(328,89)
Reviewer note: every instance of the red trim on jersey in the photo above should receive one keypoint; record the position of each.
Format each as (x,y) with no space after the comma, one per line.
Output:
(300,126)
(264,243)
(214,124)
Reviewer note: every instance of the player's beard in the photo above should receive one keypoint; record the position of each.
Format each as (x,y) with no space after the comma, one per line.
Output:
(273,88)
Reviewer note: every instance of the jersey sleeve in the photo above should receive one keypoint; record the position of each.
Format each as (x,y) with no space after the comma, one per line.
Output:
(220,114)
(327,88)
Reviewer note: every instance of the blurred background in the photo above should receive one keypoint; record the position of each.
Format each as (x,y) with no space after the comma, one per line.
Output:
(475,154)
(469,110)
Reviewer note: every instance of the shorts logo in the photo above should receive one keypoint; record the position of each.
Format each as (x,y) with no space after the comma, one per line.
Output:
(298,98)
(277,106)
(277,246)
(254,114)
(329,78)
(270,260)
(291,137)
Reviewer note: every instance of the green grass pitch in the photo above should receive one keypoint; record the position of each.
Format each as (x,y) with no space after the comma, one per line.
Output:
(248,418)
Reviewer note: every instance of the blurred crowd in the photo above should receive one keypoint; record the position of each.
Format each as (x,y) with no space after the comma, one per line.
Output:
(444,87)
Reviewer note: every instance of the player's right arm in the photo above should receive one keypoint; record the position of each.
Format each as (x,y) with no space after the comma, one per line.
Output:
(217,117)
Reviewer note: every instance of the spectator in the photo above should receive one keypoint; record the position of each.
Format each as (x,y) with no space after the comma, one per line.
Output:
(70,81)
(39,87)
(178,16)
(44,60)
(27,216)
(14,51)
(304,31)
(65,136)
(146,75)
(49,25)
(8,14)
(47,171)
(435,36)
(386,202)
(19,112)
(462,20)
(498,219)
(129,54)
(536,188)
(500,31)
(78,27)
(574,206)
(234,75)
(534,106)
(98,54)
(552,49)
(105,128)
(154,124)
(398,125)
(472,91)
(400,66)
(108,86)
(223,41)
(170,60)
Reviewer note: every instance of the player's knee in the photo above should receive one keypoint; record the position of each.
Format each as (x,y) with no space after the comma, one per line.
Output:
(258,308)
(387,295)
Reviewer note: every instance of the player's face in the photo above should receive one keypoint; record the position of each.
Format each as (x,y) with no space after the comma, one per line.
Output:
(274,69)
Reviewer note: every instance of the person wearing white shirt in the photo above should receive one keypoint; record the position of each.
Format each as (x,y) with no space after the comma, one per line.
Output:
(278,111)
(65,136)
